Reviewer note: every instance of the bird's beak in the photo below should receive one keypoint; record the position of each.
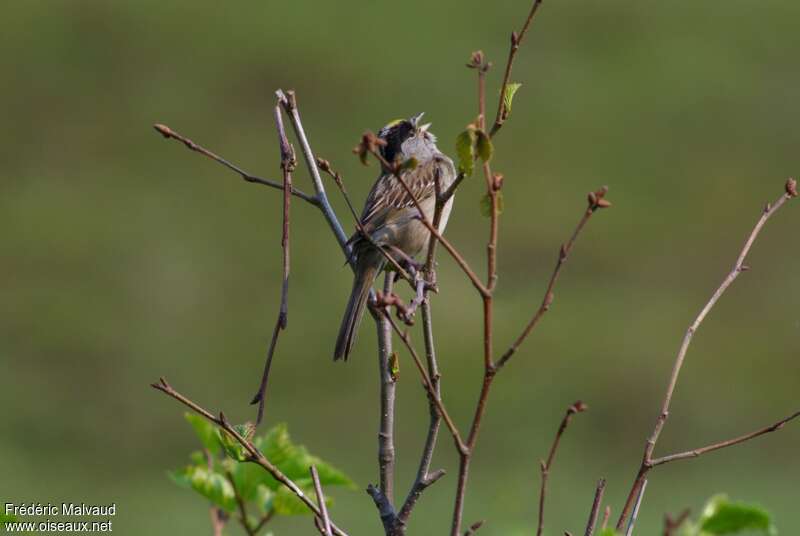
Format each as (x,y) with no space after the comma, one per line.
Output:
(424,128)
(414,120)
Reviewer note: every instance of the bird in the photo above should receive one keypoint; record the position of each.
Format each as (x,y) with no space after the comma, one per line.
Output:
(390,218)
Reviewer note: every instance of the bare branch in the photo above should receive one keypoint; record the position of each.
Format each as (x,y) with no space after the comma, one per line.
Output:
(168,133)
(326,521)
(790,191)
(288,163)
(426,382)
(635,513)
(694,453)
(516,40)
(596,201)
(386,452)
(598,500)
(254,455)
(545,466)
(671,525)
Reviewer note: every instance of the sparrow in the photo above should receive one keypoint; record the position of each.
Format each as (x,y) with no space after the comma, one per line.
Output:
(390,217)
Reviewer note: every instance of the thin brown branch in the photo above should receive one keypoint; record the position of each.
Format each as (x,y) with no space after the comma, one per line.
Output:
(263,521)
(474,528)
(671,525)
(288,164)
(694,453)
(386,451)
(516,41)
(546,465)
(254,455)
(596,201)
(288,100)
(243,519)
(598,500)
(168,133)
(326,521)
(636,507)
(426,382)
(738,267)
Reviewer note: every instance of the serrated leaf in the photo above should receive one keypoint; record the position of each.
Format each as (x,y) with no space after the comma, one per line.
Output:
(294,460)
(205,431)
(210,484)
(721,516)
(286,503)
(508,96)
(486,204)
(483,145)
(465,151)
(230,445)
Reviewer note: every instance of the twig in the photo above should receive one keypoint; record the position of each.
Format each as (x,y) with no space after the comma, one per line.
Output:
(425,479)
(738,268)
(218,515)
(490,369)
(606,516)
(545,466)
(474,528)
(289,102)
(385,509)
(168,133)
(596,201)
(635,513)
(254,455)
(426,382)
(516,40)
(598,500)
(671,525)
(263,521)
(288,163)
(386,453)
(722,444)
(321,501)
(241,505)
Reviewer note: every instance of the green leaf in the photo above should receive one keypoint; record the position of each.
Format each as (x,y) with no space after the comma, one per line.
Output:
(7,518)
(294,460)
(210,484)
(286,503)
(483,145)
(508,96)
(721,516)
(486,204)
(465,151)
(264,499)
(205,431)
(232,447)
(608,531)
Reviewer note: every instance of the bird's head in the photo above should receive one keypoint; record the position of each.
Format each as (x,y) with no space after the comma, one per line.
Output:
(406,138)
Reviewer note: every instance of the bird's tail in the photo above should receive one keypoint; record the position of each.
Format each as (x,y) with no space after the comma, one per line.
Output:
(369,265)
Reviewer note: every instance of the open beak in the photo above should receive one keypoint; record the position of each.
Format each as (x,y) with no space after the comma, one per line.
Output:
(414,120)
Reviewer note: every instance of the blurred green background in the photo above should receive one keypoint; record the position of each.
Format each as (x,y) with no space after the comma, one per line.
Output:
(125,257)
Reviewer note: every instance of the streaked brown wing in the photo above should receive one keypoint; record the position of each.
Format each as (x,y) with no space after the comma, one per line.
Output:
(388,195)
